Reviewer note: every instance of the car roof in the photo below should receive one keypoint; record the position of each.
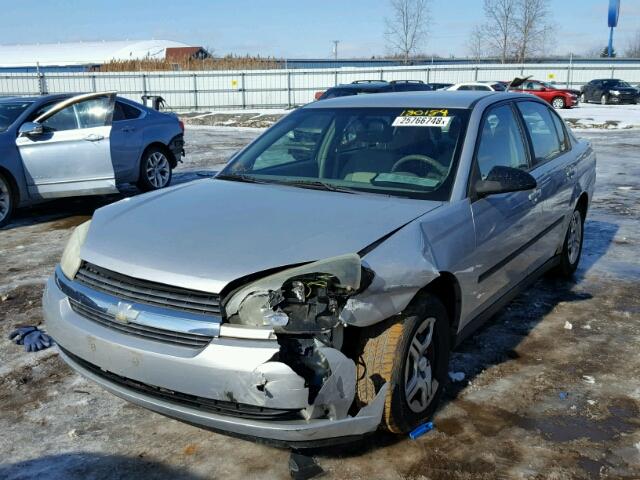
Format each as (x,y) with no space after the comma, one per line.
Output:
(34,98)
(422,99)
(361,86)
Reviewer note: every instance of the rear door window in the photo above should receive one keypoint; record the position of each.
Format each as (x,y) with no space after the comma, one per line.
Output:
(542,131)
(122,111)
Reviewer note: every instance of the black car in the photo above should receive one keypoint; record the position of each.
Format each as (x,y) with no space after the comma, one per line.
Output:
(609,90)
(373,86)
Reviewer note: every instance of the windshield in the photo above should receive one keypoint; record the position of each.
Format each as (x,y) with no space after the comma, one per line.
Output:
(408,152)
(617,83)
(9,112)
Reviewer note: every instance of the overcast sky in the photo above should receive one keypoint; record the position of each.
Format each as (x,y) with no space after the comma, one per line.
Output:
(288,28)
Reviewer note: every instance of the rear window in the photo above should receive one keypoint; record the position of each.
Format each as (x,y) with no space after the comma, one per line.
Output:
(9,112)
(122,111)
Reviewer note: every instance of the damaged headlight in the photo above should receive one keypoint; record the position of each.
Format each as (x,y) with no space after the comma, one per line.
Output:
(306,299)
(70,261)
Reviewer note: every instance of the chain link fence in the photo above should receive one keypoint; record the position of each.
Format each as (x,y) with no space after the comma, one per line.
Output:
(264,89)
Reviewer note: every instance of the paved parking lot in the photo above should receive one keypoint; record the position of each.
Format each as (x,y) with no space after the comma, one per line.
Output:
(551,387)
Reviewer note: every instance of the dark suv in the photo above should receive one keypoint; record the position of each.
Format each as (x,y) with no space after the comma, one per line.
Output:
(609,90)
(373,86)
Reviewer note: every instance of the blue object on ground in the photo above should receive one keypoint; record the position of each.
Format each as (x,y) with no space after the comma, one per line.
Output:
(32,339)
(421,430)
(563,395)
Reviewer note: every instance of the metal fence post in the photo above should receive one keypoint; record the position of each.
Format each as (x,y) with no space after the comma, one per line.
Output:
(288,89)
(335,78)
(242,85)
(144,87)
(195,92)
(475,74)
(93,83)
(42,83)
(613,71)
(381,74)
(428,75)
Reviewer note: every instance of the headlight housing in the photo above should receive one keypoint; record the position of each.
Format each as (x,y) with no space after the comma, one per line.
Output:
(614,92)
(70,261)
(306,299)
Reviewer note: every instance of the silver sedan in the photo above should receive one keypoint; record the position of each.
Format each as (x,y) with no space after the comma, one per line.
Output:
(61,145)
(312,291)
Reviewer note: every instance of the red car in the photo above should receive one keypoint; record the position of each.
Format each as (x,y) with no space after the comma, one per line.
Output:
(557,97)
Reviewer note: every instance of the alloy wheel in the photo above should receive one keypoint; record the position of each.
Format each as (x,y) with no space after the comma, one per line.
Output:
(5,199)
(603,99)
(558,103)
(575,237)
(419,383)
(158,169)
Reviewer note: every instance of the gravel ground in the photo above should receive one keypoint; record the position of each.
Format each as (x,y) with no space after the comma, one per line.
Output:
(550,389)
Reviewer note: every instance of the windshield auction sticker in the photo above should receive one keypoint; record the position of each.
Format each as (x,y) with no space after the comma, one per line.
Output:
(423,118)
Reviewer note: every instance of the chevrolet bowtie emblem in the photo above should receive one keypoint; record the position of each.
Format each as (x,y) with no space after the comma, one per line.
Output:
(124,312)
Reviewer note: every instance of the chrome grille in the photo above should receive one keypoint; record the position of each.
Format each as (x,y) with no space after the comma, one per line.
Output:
(150,333)
(150,293)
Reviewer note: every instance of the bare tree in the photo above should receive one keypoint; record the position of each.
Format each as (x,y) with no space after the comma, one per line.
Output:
(533,28)
(633,50)
(498,30)
(407,26)
(476,43)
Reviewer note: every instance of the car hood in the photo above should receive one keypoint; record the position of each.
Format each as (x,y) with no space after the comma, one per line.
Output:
(204,234)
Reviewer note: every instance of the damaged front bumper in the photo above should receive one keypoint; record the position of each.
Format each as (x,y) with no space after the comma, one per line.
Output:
(230,385)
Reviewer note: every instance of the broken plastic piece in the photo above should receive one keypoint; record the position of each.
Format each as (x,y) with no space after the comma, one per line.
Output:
(456,376)
(563,395)
(421,430)
(303,467)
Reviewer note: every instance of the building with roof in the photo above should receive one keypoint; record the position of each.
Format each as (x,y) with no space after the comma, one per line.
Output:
(79,56)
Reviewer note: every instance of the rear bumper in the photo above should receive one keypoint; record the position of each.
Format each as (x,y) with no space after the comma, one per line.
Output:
(176,145)
(199,385)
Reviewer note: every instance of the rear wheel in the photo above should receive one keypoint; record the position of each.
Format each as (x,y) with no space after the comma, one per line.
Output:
(6,200)
(558,103)
(603,99)
(411,354)
(155,170)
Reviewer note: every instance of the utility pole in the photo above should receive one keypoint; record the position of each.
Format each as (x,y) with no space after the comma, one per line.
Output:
(335,49)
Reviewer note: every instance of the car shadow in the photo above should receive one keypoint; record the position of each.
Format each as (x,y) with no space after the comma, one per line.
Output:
(83,465)
(497,340)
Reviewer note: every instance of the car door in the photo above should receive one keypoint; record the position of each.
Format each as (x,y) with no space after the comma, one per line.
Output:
(504,224)
(71,156)
(126,141)
(554,168)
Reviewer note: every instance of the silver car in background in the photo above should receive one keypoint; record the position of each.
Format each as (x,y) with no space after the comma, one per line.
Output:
(60,145)
(312,291)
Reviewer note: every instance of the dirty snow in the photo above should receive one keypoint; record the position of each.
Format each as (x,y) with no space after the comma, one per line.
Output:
(602,117)
(504,419)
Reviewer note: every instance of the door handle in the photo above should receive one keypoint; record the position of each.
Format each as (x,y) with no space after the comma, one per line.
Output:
(94,138)
(128,129)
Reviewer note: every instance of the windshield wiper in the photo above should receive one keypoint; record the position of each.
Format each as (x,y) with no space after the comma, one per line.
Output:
(318,185)
(239,177)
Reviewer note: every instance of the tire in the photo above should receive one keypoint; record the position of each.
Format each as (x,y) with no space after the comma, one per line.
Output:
(572,246)
(155,169)
(583,98)
(604,100)
(7,200)
(387,356)
(558,103)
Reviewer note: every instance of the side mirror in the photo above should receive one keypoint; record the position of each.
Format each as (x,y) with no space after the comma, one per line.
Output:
(30,129)
(504,180)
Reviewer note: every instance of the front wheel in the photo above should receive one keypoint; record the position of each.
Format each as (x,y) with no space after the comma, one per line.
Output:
(6,200)
(604,100)
(558,103)
(411,354)
(155,170)
(572,247)
(583,98)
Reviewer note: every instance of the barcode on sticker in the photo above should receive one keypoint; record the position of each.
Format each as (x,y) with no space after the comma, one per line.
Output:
(420,121)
